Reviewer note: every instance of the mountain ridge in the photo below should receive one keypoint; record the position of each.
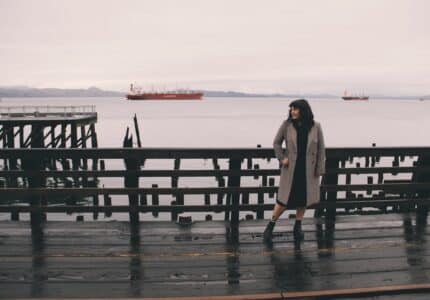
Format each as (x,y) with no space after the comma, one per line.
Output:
(25,91)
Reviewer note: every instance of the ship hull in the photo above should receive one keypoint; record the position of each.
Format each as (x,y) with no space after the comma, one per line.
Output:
(355,98)
(165,96)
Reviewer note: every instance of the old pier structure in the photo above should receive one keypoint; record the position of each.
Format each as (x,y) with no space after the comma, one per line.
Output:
(48,127)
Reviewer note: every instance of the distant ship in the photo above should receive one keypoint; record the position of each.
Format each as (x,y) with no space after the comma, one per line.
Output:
(350,97)
(136,94)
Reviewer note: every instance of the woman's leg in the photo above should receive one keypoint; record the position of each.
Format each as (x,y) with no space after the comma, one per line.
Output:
(300,212)
(277,212)
(298,233)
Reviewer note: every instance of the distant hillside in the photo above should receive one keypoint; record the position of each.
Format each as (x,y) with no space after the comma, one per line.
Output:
(21,91)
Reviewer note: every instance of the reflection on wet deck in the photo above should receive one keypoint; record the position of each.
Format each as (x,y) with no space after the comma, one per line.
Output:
(163,259)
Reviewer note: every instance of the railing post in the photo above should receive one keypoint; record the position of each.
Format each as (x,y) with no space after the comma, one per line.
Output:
(156,201)
(10,137)
(422,210)
(94,144)
(331,179)
(260,211)
(84,160)
(35,163)
(234,181)
(131,181)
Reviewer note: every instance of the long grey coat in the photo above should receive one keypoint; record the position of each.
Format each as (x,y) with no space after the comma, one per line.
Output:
(315,161)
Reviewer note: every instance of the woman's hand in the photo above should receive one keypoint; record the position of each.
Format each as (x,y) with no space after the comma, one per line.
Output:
(285,162)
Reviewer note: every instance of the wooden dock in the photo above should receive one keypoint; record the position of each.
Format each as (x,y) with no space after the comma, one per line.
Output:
(367,256)
(368,237)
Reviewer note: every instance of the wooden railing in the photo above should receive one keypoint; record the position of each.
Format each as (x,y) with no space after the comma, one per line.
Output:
(358,180)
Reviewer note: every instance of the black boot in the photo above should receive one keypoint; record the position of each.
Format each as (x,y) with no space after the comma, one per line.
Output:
(268,232)
(298,233)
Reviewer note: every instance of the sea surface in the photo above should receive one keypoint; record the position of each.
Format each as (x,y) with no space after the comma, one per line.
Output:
(244,122)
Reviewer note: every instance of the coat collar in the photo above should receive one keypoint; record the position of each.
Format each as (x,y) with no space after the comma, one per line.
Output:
(292,135)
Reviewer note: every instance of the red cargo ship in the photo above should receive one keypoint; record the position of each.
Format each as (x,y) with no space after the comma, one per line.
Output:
(175,95)
(349,97)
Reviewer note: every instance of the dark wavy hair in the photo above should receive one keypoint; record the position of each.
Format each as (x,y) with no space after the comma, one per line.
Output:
(306,114)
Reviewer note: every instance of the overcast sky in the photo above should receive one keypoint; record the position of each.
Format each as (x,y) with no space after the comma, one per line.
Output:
(254,46)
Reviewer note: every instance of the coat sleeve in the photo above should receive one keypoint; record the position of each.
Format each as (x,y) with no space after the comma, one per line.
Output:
(277,143)
(320,163)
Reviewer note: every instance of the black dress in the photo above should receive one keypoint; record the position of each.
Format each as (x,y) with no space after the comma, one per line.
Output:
(297,196)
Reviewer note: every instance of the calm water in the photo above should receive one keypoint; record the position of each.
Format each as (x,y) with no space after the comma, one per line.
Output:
(242,122)
(246,122)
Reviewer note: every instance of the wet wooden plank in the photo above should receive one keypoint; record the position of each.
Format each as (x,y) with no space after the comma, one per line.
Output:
(101,259)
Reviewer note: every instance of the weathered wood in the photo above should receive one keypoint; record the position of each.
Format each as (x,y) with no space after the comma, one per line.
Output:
(385,195)
(35,163)
(234,181)
(205,173)
(369,256)
(136,128)
(131,181)
(260,212)
(422,162)
(21,136)
(11,163)
(330,196)
(175,208)
(190,153)
(324,294)
(94,144)
(402,187)
(83,144)
(155,202)
(57,115)
(143,173)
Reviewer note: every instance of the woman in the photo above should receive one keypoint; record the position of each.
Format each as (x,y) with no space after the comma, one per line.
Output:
(302,163)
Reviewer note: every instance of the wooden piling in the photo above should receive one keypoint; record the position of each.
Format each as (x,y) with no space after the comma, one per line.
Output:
(260,200)
(234,181)
(12,162)
(155,201)
(331,179)
(131,180)
(422,210)
(176,166)
(84,160)
(94,144)
(35,181)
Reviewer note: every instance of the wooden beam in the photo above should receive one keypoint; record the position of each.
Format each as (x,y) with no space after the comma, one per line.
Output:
(365,291)
(204,153)
(169,190)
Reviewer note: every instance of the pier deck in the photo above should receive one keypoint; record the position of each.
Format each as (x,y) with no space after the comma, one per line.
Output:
(389,253)
(25,115)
